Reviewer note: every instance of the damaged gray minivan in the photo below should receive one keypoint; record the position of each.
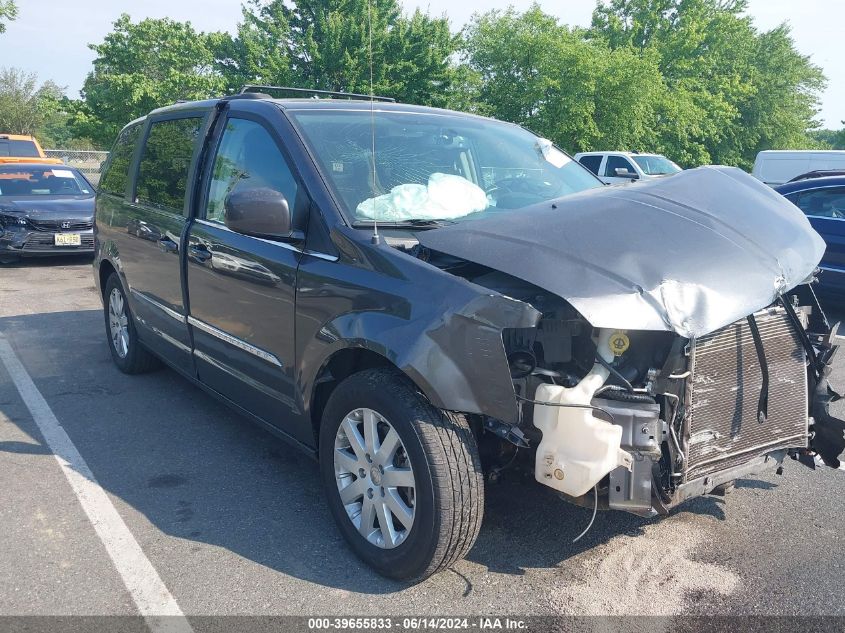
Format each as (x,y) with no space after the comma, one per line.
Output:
(420,298)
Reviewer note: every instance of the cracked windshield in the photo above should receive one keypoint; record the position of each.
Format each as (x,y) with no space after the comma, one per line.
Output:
(431,167)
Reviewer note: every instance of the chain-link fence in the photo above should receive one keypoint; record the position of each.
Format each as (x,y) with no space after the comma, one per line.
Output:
(88,162)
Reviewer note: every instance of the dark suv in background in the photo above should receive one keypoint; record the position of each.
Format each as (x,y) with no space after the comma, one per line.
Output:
(822,199)
(418,297)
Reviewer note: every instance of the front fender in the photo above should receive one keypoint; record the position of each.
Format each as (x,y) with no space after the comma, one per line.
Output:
(442,331)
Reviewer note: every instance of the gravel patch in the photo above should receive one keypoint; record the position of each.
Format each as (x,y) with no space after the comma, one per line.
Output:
(651,573)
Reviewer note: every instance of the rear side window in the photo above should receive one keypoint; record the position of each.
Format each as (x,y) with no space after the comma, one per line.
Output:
(21,149)
(116,172)
(823,203)
(165,163)
(591,162)
(617,162)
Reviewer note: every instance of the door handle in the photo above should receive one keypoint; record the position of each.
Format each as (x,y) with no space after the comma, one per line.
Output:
(199,253)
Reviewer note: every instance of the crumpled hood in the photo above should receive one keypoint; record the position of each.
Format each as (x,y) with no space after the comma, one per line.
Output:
(50,207)
(689,254)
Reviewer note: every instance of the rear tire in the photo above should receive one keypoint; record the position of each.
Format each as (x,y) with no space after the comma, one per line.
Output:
(126,350)
(437,517)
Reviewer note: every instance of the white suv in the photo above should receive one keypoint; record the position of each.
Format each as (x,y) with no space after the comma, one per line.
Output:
(619,167)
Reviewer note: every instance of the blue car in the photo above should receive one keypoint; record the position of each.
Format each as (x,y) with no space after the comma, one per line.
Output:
(823,202)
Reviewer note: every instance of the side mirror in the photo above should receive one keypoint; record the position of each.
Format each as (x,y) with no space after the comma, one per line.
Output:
(260,212)
(622,172)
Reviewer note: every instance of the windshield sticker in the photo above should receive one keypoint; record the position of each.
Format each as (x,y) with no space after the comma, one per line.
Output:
(552,154)
(62,173)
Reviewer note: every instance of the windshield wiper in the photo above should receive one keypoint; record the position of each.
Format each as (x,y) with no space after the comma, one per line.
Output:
(412,223)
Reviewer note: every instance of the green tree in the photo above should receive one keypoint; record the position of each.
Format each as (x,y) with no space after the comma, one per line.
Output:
(839,138)
(25,105)
(142,66)
(830,139)
(784,105)
(58,130)
(530,69)
(8,12)
(731,90)
(260,52)
(325,44)
(417,53)
(465,87)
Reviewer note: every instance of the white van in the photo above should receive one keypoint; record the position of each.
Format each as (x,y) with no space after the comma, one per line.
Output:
(775,167)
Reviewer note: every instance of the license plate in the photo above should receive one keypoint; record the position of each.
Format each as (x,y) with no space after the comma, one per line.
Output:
(68,239)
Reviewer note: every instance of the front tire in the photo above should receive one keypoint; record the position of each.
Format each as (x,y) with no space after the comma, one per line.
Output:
(126,350)
(403,478)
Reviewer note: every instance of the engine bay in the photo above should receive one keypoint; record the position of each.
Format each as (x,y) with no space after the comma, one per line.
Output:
(640,420)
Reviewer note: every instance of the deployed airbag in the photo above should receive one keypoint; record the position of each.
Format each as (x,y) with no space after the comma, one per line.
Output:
(690,253)
(447,196)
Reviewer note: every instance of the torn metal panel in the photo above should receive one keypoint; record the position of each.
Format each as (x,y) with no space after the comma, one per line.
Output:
(688,254)
(461,356)
(442,331)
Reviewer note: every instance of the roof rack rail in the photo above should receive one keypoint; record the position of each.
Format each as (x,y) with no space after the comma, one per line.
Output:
(316,93)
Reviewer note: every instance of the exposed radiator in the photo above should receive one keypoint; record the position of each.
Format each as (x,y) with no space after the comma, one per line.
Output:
(725,387)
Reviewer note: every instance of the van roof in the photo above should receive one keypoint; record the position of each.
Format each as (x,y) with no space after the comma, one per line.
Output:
(314,104)
(309,104)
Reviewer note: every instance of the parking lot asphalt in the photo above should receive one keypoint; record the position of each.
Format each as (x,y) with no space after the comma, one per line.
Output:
(233,521)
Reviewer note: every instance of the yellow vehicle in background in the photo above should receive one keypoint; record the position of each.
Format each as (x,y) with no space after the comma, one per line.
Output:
(17,148)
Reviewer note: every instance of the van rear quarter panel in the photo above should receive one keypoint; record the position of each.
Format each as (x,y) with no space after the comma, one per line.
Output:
(108,215)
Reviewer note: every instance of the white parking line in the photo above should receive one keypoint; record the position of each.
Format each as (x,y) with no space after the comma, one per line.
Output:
(151,596)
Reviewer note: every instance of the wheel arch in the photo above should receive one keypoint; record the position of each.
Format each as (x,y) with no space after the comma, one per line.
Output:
(457,362)
(338,366)
(106,270)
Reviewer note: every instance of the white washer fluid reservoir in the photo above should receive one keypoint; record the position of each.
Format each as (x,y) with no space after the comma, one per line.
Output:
(577,448)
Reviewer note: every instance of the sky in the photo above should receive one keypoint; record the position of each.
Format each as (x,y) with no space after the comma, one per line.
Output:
(50,37)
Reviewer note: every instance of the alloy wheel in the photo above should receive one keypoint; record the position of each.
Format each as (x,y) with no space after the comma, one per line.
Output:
(118,323)
(375,478)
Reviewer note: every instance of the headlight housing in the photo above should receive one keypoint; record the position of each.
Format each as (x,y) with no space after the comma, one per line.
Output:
(9,221)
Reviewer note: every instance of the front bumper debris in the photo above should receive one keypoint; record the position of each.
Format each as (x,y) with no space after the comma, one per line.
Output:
(827,431)
(27,242)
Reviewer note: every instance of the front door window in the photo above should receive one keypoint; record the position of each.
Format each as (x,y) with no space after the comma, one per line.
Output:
(247,158)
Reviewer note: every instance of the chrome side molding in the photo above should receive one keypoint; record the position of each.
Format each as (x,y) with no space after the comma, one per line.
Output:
(234,340)
(168,311)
